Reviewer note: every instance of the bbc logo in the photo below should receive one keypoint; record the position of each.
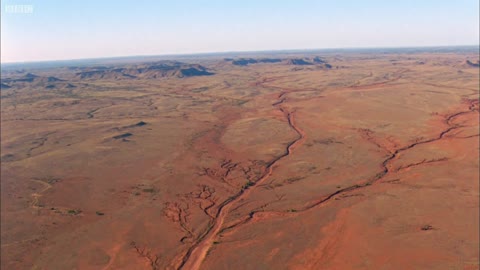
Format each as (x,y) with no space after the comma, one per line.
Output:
(23,9)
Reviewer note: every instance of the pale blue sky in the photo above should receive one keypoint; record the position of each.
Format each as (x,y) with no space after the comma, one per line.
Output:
(72,29)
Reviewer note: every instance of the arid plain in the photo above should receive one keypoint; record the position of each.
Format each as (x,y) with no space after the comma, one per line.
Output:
(335,160)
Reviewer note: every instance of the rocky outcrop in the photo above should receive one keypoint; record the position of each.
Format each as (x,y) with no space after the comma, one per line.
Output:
(472,64)
(298,62)
(147,71)
(4,86)
(247,61)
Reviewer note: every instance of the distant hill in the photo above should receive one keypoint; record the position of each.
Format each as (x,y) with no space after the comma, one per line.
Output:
(146,71)
(30,77)
(319,60)
(472,64)
(246,61)
(4,86)
(48,82)
(293,61)
(72,74)
(193,71)
(103,74)
(298,62)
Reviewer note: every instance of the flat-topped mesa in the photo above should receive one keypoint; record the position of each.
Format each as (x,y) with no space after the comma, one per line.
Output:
(317,61)
(244,61)
(293,61)
(147,71)
(113,73)
(31,79)
(247,61)
(298,62)
(192,71)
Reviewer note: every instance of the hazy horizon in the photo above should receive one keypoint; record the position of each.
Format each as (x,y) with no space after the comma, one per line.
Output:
(56,30)
(247,54)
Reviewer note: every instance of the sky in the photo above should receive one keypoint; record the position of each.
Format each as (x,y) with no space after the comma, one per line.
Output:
(76,29)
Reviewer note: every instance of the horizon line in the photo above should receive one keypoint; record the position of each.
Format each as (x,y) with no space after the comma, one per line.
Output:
(232,52)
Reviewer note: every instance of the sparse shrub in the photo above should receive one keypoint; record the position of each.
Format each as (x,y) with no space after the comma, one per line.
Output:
(248,184)
(427,228)
(74,212)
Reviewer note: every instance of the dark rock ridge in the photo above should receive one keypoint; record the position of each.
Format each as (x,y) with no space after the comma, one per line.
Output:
(317,61)
(53,79)
(141,123)
(30,77)
(115,73)
(122,136)
(60,85)
(146,71)
(4,86)
(247,61)
(298,62)
(472,64)
(193,71)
